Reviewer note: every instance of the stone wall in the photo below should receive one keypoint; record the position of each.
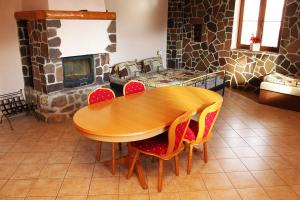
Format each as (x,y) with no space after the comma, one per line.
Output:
(215,17)
(43,69)
(25,52)
(58,106)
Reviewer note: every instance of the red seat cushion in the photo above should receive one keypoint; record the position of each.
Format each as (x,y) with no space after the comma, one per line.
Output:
(134,87)
(157,145)
(193,129)
(100,95)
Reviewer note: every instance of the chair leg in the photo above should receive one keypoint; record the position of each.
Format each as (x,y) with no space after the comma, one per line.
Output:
(120,146)
(98,156)
(205,152)
(190,159)
(113,159)
(160,174)
(131,168)
(176,160)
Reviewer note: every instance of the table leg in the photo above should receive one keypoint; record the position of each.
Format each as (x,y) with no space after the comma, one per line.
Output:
(126,160)
(113,159)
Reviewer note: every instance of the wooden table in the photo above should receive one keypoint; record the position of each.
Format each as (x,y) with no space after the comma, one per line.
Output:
(140,116)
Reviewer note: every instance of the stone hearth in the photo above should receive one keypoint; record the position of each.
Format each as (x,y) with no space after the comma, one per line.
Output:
(40,49)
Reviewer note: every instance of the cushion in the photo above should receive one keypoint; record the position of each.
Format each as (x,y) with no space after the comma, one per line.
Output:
(134,87)
(157,145)
(152,64)
(278,78)
(126,69)
(100,95)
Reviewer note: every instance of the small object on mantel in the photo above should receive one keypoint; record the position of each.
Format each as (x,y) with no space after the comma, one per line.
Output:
(83,10)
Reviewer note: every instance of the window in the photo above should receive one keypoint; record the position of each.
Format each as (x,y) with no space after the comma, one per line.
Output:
(261,18)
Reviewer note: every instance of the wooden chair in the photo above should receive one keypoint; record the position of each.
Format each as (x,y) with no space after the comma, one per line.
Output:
(96,96)
(133,87)
(201,131)
(164,146)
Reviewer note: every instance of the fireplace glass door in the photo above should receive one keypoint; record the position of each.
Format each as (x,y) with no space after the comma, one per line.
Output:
(78,70)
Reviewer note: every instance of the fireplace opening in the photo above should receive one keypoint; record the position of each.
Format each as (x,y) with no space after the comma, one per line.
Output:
(78,70)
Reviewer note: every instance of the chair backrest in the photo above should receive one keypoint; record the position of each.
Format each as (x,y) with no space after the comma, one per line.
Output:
(207,120)
(133,87)
(177,131)
(100,94)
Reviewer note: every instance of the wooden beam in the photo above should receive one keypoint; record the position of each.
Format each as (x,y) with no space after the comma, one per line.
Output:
(63,14)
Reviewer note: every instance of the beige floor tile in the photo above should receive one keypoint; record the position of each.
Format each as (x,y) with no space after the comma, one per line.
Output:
(28,171)
(84,157)
(189,183)
(296,189)
(278,163)
(45,187)
(244,152)
(16,188)
(242,179)
(74,187)
(60,157)
(281,193)
(222,153)
(66,146)
(54,171)
(246,132)
(169,184)
(80,170)
(232,165)
(199,166)
(103,197)
(2,183)
(5,147)
(101,171)
(236,142)
(6,171)
(72,198)
(101,186)
(290,176)
(268,178)
(40,198)
(253,194)
(216,181)
(130,186)
(12,158)
(255,164)
(229,194)
(36,158)
(134,197)
(164,196)
(265,151)
(198,195)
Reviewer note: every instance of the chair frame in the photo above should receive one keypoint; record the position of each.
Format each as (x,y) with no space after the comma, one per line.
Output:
(216,107)
(129,82)
(113,151)
(170,151)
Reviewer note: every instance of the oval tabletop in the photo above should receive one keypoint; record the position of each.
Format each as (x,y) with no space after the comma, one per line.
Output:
(142,115)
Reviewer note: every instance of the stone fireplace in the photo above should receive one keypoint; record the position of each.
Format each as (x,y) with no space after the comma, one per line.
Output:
(57,76)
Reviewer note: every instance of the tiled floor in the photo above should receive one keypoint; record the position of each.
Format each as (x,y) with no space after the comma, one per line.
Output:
(254,155)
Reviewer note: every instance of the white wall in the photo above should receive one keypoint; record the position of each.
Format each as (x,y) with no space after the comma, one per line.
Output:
(91,5)
(11,78)
(141,28)
(90,38)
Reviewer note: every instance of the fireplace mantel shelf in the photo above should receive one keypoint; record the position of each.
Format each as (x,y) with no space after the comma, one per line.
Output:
(63,14)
